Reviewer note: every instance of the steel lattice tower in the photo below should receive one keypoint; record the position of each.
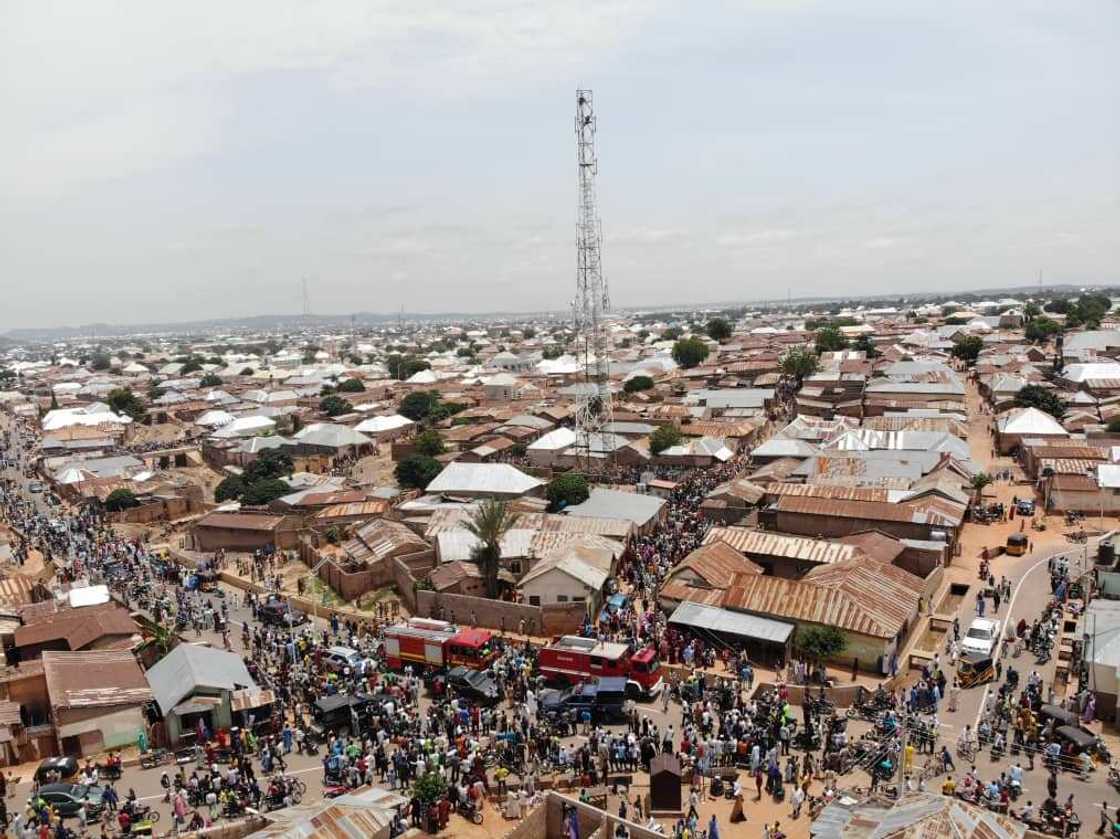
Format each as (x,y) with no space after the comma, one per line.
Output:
(593,411)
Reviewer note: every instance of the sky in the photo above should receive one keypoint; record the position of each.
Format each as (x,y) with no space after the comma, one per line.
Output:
(172,160)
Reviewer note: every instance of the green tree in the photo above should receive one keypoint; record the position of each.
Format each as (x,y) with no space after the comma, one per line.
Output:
(528,333)
(464,352)
(1041,328)
(265,492)
(830,339)
(418,404)
(230,489)
(799,363)
(430,787)
(417,471)
(967,348)
(351,386)
(689,352)
(193,365)
(270,463)
(664,438)
(490,521)
(1058,306)
(1114,426)
(123,401)
(672,333)
(335,406)
(1036,396)
(718,329)
(567,489)
(444,410)
(1031,311)
(638,384)
(978,482)
(866,346)
(210,380)
(551,353)
(402,367)
(429,443)
(120,499)
(100,361)
(820,643)
(246,371)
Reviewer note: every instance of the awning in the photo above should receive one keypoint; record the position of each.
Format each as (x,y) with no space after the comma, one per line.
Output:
(714,619)
(197,705)
(244,700)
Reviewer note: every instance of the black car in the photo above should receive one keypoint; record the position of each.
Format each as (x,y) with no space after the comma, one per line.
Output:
(334,714)
(473,685)
(606,699)
(278,613)
(69,798)
(55,769)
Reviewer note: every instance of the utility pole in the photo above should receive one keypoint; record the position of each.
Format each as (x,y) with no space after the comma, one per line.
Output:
(594,411)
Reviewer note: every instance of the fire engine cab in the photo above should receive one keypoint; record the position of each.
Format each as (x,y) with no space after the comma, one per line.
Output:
(575,659)
(432,643)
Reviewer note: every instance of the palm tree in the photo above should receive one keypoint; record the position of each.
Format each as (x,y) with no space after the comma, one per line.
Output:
(978,482)
(488,524)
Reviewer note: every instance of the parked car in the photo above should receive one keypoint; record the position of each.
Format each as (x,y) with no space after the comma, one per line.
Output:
(339,658)
(1025,507)
(606,699)
(69,798)
(56,769)
(36,486)
(473,685)
(278,613)
(982,636)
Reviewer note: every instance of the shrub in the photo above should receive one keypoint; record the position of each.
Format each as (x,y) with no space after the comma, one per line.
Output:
(120,499)
(334,406)
(664,438)
(429,443)
(638,383)
(230,489)
(689,352)
(567,489)
(417,471)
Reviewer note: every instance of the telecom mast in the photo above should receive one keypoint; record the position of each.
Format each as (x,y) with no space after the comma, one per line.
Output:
(593,340)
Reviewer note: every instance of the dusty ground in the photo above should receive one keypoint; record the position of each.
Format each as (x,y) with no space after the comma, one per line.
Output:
(167,432)
(375,470)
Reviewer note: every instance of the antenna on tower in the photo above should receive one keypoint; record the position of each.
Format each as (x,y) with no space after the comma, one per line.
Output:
(306,296)
(593,409)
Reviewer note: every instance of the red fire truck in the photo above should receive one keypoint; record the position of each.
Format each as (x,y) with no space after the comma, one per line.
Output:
(576,659)
(432,643)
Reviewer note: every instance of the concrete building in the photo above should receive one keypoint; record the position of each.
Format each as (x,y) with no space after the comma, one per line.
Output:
(193,684)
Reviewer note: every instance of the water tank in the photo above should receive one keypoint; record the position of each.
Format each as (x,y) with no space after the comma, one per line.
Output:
(1106,553)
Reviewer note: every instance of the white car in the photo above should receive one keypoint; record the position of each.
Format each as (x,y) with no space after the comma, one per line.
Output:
(982,636)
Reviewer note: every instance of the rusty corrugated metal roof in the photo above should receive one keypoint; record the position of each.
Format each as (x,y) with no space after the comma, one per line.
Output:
(94,679)
(857,596)
(846,493)
(716,563)
(764,543)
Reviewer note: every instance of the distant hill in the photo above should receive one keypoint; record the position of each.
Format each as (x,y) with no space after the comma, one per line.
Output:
(295,323)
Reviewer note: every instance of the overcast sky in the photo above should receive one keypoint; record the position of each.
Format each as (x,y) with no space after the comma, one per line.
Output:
(171,160)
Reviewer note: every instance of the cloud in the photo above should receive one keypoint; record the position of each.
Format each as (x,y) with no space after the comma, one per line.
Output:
(755,238)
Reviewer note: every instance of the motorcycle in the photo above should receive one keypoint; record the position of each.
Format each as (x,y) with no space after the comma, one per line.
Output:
(154,757)
(469,812)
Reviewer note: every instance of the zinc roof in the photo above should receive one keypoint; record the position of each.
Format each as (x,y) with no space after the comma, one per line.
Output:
(764,543)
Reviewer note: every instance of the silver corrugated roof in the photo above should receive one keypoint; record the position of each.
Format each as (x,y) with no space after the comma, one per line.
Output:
(714,619)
